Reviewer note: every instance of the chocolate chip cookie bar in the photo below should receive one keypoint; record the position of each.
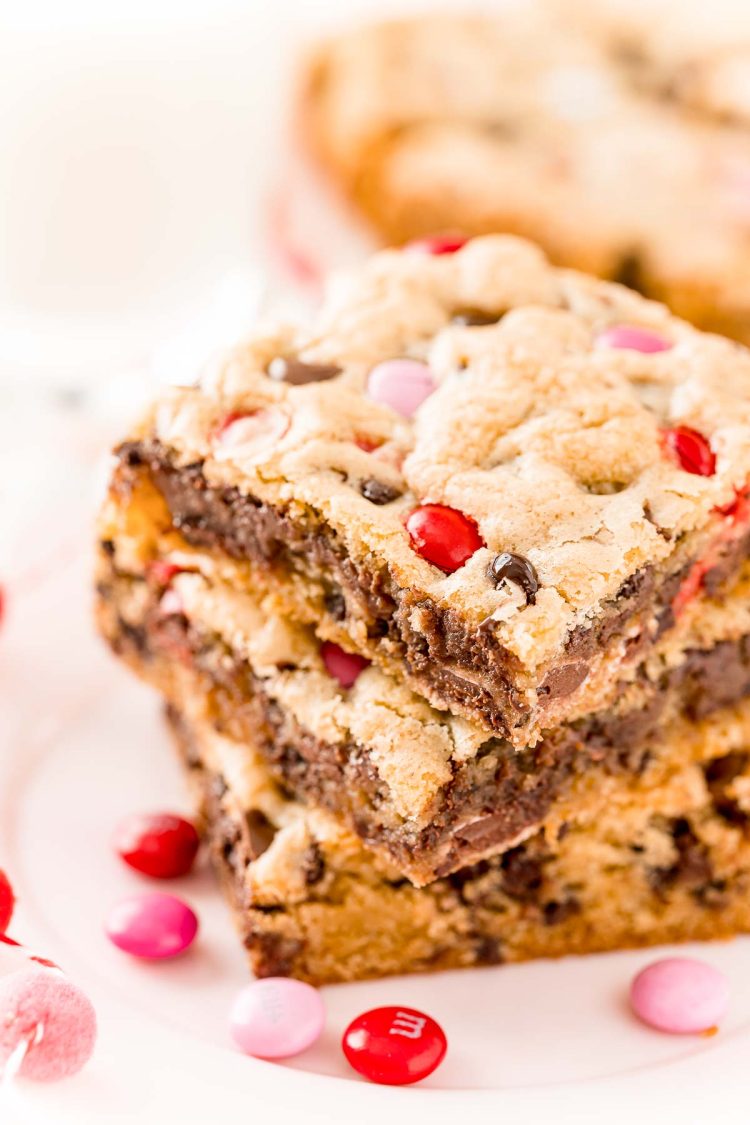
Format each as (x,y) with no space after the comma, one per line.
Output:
(501,482)
(623,150)
(428,790)
(668,864)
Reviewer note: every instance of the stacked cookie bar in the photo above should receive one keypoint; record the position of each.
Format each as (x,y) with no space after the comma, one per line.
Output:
(621,144)
(448,597)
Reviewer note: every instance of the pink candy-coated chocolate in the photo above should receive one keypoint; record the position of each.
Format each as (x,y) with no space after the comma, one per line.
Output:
(402,384)
(43,1009)
(152,926)
(680,995)
(345,667)
(632,338)
(437,244)
(276,1018)
(251,435)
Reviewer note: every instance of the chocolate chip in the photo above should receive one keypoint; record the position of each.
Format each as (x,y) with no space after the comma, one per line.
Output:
(286,369)
(335,604)
(475,318)
(557,912)
(108,547)
(563,681)
(720,771)
(489,951)
(313,865)
(260,832)
(377,492)
(522,874)
(508,567)
(629,271)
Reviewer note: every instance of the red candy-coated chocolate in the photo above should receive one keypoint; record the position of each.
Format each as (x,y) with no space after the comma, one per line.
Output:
(443,536)
(162,572)
(438,244)
(691,450)
(394,1046)
(7,901)
(343,666)
(161,845)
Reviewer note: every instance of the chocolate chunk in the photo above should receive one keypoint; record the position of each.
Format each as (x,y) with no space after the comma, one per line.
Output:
(260,832)
(564,680)
(629,271)
(692,868)
(476,318)
(522,874)
(508,567)
(377,492)
(335,604)
(313,865)
(287,369)
(489,950)
(557,912)
(721,771)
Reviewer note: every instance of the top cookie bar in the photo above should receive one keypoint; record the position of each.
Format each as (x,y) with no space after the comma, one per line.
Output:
(502,480)
(624,150)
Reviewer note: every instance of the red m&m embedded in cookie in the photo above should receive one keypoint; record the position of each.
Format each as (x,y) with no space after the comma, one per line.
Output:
(691,450)
(394,1046)
(437,244)
(443,536)
(344,666)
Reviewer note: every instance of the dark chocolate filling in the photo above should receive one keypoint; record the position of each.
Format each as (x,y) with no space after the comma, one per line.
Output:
(489,682)
(518,874)
(491,798)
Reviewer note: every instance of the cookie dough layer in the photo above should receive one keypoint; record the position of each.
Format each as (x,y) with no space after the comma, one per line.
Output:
(551,443)
(623,151)
(663,864)
(425,788)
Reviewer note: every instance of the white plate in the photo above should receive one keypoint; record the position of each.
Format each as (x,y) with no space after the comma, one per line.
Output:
(81,745)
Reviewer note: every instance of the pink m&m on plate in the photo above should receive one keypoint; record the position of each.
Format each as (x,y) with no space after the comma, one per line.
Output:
(402,384)
(394,1046)
(680,995)
(152,926)
(632,338)
(276,1018)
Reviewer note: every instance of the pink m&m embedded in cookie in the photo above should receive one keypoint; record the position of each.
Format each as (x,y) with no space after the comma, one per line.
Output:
(276,1018)
(152,926)
(680,995)
(402,384)
(251,435)
(632,338)
(342,665)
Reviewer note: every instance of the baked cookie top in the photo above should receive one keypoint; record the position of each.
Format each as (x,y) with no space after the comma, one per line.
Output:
(623,150)
(512,439)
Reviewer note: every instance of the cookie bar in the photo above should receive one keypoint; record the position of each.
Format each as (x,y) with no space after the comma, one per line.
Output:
(429,790)
(625,153)
(664,864)
(501,481)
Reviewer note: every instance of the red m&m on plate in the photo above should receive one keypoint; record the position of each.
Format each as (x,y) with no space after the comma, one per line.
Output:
(394,1046)
(7,901)
(161,845)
